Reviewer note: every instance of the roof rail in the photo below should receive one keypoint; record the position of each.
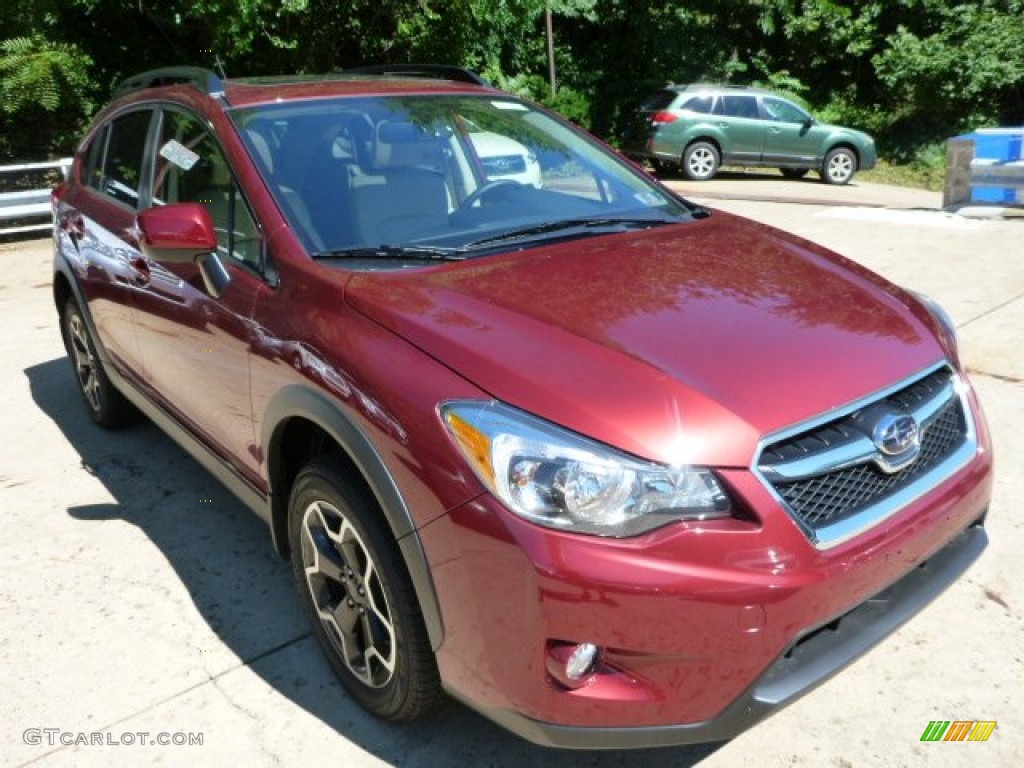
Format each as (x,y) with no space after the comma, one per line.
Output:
(717,87)
(437,71)
(203,80)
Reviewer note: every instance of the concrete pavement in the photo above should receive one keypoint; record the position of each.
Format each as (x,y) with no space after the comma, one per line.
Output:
(756,185)
(767,185)
(137,596)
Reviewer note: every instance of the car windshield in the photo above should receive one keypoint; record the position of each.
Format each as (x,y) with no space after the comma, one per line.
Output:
(435,175)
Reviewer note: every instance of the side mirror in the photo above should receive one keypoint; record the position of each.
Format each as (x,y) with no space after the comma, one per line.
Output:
(183,233)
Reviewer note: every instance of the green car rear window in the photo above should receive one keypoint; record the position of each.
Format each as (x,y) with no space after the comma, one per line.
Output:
(700,104)
(660,100)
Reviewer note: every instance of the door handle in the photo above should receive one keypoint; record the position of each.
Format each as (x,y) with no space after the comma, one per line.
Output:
(140,268)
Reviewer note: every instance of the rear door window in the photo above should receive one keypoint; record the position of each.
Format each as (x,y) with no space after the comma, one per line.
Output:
(120,174)
(92,163)
(737,106)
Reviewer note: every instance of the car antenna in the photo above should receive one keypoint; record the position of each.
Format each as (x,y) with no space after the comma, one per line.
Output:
(219,66)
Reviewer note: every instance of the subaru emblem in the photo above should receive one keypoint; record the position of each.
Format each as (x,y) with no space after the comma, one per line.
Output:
(896,433)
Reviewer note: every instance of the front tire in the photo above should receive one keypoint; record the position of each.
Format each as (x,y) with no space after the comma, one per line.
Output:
(839,167)
(701,160)
(106,405)
(361,601)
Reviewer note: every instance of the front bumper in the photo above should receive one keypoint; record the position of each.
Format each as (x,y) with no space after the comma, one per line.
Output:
(868,157)
(811,660)
(705,628)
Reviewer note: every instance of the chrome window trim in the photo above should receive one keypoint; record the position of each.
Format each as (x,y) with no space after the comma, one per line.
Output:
(829,536)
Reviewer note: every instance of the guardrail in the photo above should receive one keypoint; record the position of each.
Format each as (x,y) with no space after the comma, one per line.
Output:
(28,203)
(986,166)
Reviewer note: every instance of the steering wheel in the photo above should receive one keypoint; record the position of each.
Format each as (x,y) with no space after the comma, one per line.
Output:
(481,192)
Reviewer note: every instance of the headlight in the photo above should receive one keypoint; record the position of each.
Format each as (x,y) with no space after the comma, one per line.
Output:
(943,319)
(559,479)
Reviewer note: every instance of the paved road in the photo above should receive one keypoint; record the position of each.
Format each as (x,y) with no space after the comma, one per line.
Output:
(138,596)
(760,185)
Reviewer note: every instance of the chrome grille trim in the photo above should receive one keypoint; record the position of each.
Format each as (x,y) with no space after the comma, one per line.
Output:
(919,395)
(858,450)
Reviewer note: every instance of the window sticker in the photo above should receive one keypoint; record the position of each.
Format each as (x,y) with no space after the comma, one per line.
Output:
(512,105)
(179,154)
(649,198)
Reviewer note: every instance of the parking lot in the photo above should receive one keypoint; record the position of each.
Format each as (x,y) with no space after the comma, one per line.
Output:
(139,597)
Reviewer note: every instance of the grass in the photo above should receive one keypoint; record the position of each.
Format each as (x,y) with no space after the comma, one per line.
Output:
(918,175)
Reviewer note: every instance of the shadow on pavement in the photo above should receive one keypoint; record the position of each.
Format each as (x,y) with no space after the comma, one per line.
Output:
(222,554)
(750,175)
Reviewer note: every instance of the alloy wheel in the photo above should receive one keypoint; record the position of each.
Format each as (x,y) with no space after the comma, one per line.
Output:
(702,163)
(84,361)
(840,167)
(348,595)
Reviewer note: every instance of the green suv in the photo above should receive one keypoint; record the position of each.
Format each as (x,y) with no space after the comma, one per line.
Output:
(703,127)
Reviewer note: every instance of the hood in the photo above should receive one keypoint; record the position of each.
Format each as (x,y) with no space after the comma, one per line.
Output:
(683,343)
(861,136)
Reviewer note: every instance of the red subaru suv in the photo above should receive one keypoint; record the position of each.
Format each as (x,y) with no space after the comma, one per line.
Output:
(609,467)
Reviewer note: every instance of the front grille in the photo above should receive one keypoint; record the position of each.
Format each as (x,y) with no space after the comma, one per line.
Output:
(832,496)
(839,489)
(911,397)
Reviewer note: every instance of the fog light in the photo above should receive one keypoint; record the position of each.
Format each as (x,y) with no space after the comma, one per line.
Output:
(581,661)
(573,665)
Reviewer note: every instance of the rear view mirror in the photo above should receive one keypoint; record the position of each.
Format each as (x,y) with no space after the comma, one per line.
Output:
(183,233)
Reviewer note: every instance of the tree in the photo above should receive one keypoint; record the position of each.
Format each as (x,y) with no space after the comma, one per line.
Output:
(910,71)
(963,71)
(44,87)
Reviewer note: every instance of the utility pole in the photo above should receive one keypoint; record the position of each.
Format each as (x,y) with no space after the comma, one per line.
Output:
(551,48)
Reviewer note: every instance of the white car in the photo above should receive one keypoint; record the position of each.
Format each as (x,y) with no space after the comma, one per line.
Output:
(505,158)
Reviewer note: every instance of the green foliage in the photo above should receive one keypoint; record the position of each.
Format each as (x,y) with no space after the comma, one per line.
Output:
(36,73)
(844,109)
(571,104)
(45,90)
(964,70)
(927,172)
(912,72)
(784,84)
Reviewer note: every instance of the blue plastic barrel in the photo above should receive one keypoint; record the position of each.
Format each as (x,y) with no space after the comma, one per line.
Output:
(997,145)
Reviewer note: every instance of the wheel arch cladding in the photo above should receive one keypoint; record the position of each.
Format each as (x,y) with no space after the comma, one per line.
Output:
(707,140)
(845,144)
(65,289)
(300,425)
(61,290)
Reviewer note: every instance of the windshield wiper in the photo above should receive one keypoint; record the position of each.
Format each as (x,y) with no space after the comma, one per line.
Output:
(587,225)
(399,252)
